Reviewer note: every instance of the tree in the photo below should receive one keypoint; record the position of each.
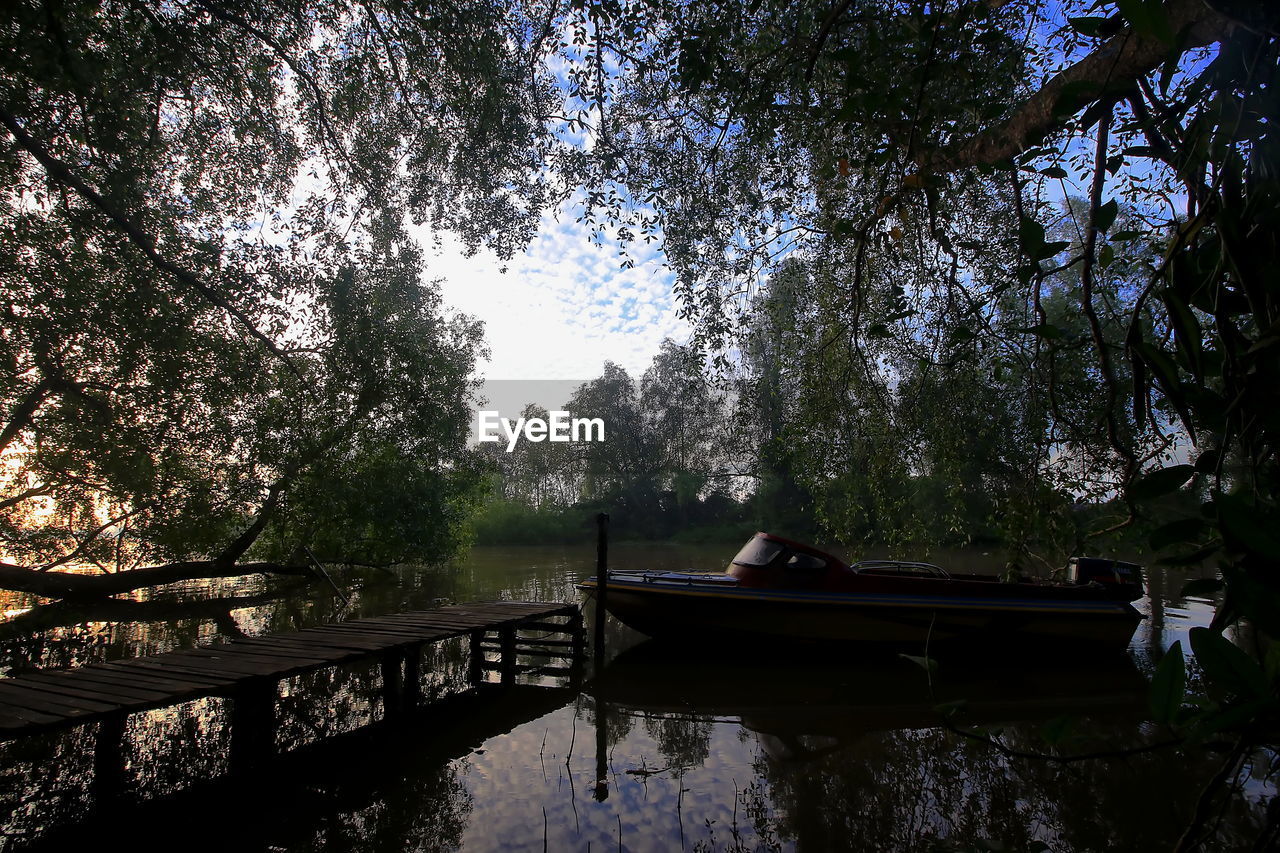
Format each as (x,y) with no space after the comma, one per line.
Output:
(625,469)
(682,415)
(916,152)
(911,154)
(217,337)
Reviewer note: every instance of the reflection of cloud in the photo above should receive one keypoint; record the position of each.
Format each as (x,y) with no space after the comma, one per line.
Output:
(511,784)
(564,307)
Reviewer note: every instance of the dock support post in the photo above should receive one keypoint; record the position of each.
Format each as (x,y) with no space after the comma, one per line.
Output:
(475,672)
(601,792)
(507,635)
(253,725)
(412,677)
(602,587)
(108,759)
(578,638)
(392,684)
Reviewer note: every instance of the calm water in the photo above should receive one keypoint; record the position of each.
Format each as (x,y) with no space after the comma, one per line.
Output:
(696,750)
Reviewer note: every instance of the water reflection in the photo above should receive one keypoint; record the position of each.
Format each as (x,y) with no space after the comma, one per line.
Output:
(661,751)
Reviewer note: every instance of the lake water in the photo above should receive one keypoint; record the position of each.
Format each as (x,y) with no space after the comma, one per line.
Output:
(700,749)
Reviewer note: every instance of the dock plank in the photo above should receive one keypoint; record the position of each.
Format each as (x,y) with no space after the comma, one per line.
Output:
(395,636)
(16,696)
(91,678)
(29,717)
(275,650)
(301,650)
(78,687)
(53,698)
(211,679)
(138,671)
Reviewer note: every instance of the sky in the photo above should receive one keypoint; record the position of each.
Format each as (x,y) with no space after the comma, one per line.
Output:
(562,308)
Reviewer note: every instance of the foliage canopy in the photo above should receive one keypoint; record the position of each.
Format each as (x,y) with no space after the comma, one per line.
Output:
(216,325)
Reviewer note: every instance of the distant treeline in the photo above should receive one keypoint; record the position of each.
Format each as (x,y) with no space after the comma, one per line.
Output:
(700,452)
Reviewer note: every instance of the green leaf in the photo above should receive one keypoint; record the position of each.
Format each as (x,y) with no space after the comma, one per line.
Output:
(1106,216)
(1246,527)
(1207,463)
(1178,532)
(1168,685)
(1087,26)
(952,708)
(928,664)
(1194,558)
(1031,234)
(1187,331)
(1148,18)
(1055,731)
(1200,587)
(1054,172)
(1165,370)
(1160,482)
(1227,665)
(1256,601)
(1051,249)
(1236,716)
(1045,330)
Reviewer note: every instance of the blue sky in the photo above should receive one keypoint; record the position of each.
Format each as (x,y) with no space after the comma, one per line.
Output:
(564,307)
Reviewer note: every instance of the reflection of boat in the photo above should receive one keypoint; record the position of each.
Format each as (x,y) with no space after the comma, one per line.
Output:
(779,589)
(788,695)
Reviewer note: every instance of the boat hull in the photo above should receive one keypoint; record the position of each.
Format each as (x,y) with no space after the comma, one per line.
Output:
(667,610)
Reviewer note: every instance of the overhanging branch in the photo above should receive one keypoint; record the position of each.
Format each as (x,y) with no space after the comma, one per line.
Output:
(1115,66)
(63,174)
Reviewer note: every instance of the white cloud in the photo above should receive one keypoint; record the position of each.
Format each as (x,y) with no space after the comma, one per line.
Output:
(564,307)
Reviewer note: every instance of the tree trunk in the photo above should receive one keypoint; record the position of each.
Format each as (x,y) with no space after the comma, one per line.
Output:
(66,585)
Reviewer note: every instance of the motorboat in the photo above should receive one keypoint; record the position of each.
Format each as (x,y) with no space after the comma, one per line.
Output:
(777,589)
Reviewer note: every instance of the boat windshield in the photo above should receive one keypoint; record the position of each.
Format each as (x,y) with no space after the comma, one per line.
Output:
(806,561)
(758,552)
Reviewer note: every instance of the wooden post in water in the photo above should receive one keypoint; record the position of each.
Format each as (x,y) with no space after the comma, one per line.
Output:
(412,678)
(392,685)
(507,640)
(475,672)
(601,791)
(602,587)
(578,637)
(253,725)
(602,714)
(108,759)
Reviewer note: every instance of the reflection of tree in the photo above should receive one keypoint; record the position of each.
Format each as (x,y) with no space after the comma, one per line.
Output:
(66,614)
(911,788)
(617,724)
(380,788)
(42,781)
(684,741)
(429,813)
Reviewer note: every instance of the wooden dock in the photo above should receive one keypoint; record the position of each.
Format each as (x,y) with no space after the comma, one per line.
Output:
(248,671)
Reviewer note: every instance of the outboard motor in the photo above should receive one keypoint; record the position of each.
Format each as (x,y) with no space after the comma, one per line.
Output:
(1115,574)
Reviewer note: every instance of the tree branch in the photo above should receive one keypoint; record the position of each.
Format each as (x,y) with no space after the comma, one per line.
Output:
(90,538)
(236,549)
(62,174)
(22,413)
(1116,65)
(67,585)
(33,492)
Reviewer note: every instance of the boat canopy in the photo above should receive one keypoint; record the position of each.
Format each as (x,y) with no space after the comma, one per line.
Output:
(765,550)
